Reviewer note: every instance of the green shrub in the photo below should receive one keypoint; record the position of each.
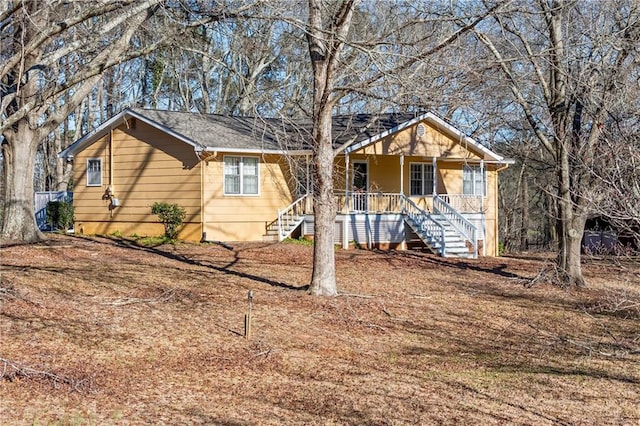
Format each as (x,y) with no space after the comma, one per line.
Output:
(300,240)
(171,216)
(60,215)
(153,241)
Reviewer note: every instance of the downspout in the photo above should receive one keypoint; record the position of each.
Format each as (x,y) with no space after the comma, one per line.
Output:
(504,167)
(111,159)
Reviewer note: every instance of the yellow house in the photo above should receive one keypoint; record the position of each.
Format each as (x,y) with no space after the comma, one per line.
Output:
(401,179)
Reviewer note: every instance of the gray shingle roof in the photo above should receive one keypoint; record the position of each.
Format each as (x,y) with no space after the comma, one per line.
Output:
(213,132)
(219,131)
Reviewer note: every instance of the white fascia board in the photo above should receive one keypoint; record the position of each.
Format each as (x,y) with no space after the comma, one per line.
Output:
(114,122)
(257,151)
(384,134)
(91,137)
(467,139)
(477,160)
(433,119)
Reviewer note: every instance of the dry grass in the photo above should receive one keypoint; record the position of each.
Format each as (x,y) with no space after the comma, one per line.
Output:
(96,331)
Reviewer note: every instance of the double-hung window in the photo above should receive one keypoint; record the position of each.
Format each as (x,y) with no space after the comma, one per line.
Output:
(474,180)
(421,179)
(94,172)
(241,175)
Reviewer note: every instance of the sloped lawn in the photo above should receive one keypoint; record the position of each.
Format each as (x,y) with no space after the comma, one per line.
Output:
(101,331)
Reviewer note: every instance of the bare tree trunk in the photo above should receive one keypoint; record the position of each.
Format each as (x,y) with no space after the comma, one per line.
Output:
(570,224)
(550,234)
(40,39)
(325,46)
(524,228)
(19,221)
(323,279)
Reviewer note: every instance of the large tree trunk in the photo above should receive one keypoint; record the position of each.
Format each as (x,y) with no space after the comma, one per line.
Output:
(571,219)
(325,46)
(18,150)
(323,279)
(570,241)
(524,210)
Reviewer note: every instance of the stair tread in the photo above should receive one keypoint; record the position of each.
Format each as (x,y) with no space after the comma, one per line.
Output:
(454,244)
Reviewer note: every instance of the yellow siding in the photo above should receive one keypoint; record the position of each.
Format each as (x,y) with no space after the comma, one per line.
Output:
(188,232)
(384,173)
(245,217)
(150,166)
(143,165)
(433,143)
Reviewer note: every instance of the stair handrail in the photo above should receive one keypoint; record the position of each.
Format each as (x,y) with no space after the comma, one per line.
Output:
(466,229)
(424,220)
(296,208)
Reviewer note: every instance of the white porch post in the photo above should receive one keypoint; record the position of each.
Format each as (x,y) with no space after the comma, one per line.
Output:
(484,215)
(435,174)
(402,174)
(484,181)
(347,217)
(403,244)
(346,182)
(308,185)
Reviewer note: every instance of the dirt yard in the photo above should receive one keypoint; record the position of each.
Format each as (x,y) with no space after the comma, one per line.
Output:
(101,331)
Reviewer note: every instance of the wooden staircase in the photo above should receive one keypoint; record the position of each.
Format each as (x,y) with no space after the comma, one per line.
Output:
(439,232)
(288,220)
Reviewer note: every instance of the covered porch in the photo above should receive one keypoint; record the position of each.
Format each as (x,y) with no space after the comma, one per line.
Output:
(391,220)
(393,199)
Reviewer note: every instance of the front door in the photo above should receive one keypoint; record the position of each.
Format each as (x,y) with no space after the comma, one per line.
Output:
(360,185)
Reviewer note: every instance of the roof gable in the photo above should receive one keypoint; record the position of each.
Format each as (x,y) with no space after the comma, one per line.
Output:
(464,141)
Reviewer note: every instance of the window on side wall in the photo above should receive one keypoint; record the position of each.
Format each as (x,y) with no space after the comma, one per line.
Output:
(421,179)
(241,175)
(94,172)
(474,181)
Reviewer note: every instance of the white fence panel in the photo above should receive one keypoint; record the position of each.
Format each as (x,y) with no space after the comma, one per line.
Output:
(41,200)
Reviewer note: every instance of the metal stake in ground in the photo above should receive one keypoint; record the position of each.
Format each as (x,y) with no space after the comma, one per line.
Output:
(247,317)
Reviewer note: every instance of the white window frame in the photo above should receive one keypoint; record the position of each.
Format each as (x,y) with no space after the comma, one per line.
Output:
(241,183)
(426,189)
(474,171)
(89,160)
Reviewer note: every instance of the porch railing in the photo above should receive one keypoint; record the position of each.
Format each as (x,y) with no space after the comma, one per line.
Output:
(291,216)
(433,230)
(459,222)
(376,202)
(379,202)
(464,203)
